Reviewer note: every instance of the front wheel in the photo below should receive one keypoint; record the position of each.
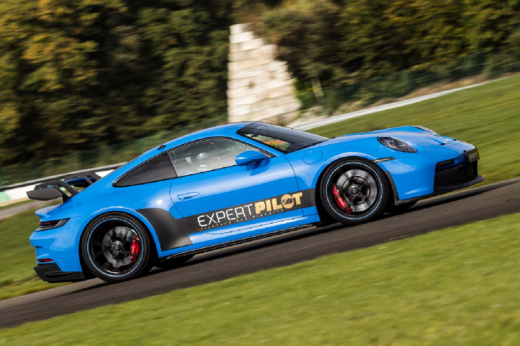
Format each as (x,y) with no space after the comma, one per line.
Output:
(353,191)
(116,248)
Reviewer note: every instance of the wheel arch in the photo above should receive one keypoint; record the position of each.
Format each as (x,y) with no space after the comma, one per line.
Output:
(97,216)
(326,219)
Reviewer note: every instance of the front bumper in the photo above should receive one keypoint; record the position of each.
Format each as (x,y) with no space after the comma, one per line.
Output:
(432,173)
(52,273)
(436,192)
(456,177)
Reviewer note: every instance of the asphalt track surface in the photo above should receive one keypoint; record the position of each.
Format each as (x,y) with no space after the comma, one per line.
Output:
(434,214)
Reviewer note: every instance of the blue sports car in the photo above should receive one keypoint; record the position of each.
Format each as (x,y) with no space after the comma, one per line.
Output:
(236,183)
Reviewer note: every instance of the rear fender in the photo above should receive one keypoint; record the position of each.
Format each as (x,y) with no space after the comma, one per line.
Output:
(131,212)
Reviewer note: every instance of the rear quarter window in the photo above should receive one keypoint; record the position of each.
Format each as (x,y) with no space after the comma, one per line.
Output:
(157,169)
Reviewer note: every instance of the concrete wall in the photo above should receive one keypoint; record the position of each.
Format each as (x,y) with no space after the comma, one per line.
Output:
(259,87)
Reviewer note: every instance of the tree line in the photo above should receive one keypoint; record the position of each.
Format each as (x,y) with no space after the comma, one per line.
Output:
(76,74)
(383,45)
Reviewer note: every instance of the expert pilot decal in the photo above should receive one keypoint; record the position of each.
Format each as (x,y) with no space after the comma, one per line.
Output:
(246,212)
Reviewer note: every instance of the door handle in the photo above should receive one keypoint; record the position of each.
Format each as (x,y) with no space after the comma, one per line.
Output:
(187,195)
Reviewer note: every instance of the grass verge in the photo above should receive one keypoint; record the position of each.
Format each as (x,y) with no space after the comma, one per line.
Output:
(17,260)
(455,286)
(486,116)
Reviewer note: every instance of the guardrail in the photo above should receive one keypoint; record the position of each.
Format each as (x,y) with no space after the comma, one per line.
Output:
(18,191)
(60,176)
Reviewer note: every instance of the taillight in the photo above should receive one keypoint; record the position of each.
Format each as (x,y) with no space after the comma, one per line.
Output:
(45,260)
(51,224)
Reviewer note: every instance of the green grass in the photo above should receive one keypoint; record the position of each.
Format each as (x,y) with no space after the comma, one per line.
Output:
(487,116)
(456,286)
(17,258)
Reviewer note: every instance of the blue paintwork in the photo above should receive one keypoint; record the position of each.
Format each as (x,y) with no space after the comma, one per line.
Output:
(258,178)
(236,185)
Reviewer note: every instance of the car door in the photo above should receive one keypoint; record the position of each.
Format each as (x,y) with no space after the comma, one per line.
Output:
(213,194)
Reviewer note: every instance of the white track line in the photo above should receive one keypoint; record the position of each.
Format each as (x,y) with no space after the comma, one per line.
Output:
(346,116)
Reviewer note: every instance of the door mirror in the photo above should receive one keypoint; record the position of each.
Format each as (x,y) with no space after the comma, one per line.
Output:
(249,157)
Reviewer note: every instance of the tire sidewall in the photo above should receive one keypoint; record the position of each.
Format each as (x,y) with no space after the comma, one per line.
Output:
(370,167)
(144,260)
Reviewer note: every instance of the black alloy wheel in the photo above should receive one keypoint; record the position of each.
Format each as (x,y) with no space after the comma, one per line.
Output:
(117,248)
(353,191)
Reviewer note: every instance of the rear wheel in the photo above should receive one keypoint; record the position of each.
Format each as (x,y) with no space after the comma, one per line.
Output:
(353,191)
(117,247)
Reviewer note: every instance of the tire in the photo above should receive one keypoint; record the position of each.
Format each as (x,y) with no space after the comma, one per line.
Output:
(360,184)
(174,263)
(399,209)
(117,247)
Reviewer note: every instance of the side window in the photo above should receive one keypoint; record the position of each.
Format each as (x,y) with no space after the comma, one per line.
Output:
(206,155)
(157,169)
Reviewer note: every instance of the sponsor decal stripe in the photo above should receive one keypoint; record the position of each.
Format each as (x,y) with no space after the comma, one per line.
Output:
(250,211)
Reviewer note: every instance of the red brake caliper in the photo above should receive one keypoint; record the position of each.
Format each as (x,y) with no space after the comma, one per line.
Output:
(134,249)
(340,201)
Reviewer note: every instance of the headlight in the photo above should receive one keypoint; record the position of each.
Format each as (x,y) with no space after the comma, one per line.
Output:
(396,144)
(424,129)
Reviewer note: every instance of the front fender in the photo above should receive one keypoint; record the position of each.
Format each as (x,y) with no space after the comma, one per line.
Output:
(308,174)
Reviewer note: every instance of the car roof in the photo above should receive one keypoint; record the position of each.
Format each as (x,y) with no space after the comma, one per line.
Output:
(220,130)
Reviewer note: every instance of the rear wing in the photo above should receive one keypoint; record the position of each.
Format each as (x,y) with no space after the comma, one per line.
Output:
(58,188)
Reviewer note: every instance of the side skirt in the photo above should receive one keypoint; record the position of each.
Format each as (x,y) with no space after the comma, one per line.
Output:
(235,242)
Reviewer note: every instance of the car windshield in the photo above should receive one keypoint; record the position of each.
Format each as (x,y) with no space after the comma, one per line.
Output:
(281,138)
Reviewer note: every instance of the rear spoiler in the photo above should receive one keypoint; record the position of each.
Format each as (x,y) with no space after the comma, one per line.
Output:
(58,188)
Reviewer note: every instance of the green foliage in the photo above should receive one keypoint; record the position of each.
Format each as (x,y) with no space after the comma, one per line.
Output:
(375,49)
(79,74)
(307,38)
